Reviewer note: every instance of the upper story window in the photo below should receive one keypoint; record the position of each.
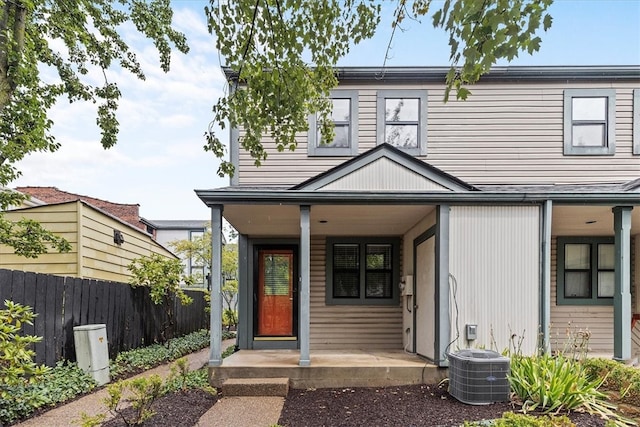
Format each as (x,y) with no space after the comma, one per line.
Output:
(345,121)
(636,121)
(402,120)
(589,122)
(362,271)
(586,270)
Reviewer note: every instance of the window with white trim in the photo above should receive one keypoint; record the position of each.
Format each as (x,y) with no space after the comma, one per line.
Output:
(402,120)
(586,270)
(344,116)
(362,271)
(589,122)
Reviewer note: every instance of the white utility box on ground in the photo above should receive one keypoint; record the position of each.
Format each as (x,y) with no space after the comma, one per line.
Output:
(92,351)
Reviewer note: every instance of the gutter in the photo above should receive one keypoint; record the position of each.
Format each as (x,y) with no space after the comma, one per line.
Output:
(217,197)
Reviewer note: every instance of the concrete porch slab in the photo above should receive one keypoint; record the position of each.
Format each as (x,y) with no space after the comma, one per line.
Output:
(329,368)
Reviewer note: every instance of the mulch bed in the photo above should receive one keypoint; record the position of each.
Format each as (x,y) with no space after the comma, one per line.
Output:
(174,409)
(418,405)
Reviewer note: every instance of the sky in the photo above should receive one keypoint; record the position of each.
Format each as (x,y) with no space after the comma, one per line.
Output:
(159,158)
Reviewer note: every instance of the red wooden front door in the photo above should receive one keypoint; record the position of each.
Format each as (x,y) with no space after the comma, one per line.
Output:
(275,292)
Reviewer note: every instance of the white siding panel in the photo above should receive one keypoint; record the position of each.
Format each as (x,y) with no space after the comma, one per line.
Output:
(348,327)
(384,174)
(504,133)
(494,264)
(567,320)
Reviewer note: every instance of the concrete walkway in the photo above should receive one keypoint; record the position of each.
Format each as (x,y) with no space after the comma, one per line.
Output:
(231,411)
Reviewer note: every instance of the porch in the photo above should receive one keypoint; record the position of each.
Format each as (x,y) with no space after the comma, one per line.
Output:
(329,368)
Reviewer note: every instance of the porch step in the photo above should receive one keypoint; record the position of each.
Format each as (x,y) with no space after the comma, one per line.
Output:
(255,387)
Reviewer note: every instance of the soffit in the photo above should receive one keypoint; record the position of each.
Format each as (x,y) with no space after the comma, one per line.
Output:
(349,220)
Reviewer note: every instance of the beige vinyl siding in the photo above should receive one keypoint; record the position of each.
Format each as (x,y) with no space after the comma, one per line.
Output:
(384,174)
(102,258)
(504,133)
(59,219)
(94,255)
(348,327)
(494,258)
(570,319)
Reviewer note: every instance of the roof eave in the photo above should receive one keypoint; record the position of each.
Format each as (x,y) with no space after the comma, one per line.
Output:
(214,197)
(507,73)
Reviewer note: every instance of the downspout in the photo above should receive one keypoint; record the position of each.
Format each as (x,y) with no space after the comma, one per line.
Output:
(234,144)
(545,275)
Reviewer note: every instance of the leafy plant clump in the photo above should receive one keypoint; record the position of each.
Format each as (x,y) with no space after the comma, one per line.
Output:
(133,361)
(619,378)
(556,383)
(510,419)
(17,369)
(61,383)
(140,393)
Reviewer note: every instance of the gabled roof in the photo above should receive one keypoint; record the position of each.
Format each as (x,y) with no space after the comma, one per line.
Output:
(384,168)
(52,195)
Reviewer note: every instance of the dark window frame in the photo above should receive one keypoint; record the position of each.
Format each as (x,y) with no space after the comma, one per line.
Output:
(561,298)
(422,96)
(362,243)
(313,149)
(609,147)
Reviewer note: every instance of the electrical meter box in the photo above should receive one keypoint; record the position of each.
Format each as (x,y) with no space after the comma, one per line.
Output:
(92,351)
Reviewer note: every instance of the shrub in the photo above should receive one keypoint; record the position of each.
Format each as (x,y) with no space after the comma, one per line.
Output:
(619,378)
(182,379)
(147,357)
(139,392)
(17,369)
(63,382)
(509,419)
(552,384)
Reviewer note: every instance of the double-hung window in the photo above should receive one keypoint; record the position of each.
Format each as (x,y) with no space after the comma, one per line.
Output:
(586,270)
(402,120)
(589,122)
(344,118)
(362,271)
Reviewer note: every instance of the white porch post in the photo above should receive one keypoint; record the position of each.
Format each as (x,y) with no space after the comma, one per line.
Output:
(215,325)
(305,255)
(622,294)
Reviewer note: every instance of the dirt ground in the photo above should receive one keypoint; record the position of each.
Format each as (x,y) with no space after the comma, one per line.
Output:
(420,405)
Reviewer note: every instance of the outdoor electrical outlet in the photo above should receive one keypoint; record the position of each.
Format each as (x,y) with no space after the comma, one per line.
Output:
(471,331)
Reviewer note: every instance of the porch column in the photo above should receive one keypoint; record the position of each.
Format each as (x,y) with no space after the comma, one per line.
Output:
(622,293)
(305,262)
(545,274)
(443,314)
(215,326)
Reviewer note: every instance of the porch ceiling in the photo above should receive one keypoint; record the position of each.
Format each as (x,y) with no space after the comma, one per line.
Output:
(588,221)
(352,220)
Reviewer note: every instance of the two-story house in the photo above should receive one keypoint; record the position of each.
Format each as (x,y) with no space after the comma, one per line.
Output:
(432,226)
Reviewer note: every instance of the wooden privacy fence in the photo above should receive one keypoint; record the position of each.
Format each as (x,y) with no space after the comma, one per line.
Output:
(62,303)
